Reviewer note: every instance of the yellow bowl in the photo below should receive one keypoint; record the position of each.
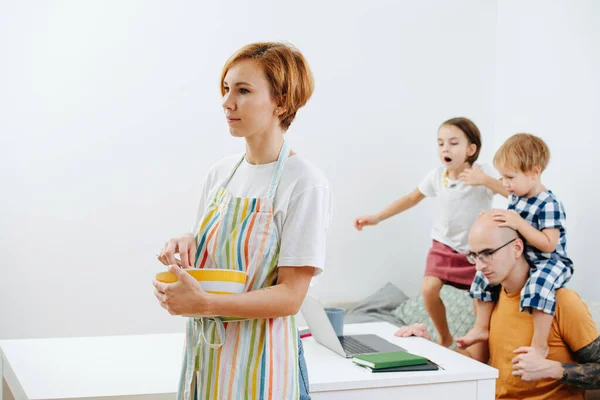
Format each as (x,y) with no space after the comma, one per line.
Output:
(213,280)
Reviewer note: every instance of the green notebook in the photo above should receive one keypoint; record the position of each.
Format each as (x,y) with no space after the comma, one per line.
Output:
(389,360)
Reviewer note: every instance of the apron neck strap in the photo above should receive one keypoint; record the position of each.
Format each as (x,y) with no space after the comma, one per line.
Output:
(237,165)
(283,156)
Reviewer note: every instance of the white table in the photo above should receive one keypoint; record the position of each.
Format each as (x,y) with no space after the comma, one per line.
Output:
(131,367)
(147,367)
(333,377)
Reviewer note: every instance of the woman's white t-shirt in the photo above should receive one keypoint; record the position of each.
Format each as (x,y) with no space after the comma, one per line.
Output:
(302,204)
(458,206)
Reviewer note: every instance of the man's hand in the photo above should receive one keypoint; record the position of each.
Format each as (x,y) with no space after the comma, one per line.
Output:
(418,329)
(530,365)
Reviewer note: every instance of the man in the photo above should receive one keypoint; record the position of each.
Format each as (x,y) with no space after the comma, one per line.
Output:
(573,361)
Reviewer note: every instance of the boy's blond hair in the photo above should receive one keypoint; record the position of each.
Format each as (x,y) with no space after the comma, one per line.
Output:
(522,152)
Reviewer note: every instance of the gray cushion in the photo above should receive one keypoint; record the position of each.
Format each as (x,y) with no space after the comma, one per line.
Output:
(459,312)
(378,306)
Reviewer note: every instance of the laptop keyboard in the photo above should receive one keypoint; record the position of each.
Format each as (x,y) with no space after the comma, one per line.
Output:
(352,346)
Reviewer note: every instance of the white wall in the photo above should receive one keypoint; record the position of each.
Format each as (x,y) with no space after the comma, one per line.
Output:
(111,117)
(548,84)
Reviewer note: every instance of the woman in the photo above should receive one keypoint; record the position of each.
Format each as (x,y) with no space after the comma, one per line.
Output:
(265,213)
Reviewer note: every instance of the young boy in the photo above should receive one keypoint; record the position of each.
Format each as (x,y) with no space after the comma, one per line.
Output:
(539,217)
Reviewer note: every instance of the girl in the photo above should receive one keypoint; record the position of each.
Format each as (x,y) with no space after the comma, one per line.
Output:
(463,189)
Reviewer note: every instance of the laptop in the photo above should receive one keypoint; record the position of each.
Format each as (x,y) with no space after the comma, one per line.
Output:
(346,346)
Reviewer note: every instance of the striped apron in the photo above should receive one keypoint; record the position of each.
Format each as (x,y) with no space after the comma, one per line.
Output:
(227,358)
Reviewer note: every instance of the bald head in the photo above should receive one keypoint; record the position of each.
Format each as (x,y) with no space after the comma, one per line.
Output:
(485,229)
(505,263)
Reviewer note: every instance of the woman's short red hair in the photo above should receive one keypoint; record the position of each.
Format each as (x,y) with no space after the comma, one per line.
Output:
(286,70)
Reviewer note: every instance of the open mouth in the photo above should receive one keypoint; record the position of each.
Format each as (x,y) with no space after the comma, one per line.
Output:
(447,159)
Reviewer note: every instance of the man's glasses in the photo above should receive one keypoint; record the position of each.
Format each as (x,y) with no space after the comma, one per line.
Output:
(486,255)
